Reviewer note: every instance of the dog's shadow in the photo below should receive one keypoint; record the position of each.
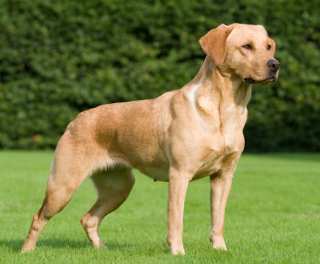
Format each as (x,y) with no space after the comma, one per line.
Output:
(14,245)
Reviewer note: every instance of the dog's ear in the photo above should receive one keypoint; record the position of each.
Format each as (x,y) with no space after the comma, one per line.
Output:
(213,43)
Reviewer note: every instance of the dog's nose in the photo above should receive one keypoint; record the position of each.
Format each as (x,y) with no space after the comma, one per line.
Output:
(273,65)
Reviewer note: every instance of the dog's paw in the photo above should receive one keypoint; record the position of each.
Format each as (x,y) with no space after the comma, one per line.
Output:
(176,248)
(27,247)
(177,251)
(98,244)
(218,243)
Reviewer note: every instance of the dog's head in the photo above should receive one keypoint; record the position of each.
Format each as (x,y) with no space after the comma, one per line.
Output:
(245,50)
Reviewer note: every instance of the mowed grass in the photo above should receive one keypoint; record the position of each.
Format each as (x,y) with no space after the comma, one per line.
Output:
(273,216)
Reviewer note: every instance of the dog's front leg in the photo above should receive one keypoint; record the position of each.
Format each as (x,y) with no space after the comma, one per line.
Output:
(178,184)
(220,188)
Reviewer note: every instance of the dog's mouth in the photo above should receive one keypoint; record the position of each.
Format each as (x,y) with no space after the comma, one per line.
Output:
(253,81)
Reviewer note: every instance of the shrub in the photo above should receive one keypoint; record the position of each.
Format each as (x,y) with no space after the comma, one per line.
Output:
(60,57)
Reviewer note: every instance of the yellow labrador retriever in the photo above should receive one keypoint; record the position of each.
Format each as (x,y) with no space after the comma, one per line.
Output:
(177,137)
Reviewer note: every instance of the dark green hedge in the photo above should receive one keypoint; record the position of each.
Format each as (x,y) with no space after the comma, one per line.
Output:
(60,57)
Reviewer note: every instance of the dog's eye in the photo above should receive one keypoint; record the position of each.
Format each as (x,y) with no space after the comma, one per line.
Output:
(269,47)
(247,46)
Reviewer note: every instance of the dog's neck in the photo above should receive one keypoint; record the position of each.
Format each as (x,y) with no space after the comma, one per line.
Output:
(214,86)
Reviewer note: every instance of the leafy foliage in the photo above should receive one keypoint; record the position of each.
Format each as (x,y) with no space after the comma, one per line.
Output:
(60,57)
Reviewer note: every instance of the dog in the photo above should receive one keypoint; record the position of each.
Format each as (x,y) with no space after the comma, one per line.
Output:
(178,137)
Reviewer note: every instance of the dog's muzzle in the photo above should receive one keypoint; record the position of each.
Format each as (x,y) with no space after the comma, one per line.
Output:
(273,66)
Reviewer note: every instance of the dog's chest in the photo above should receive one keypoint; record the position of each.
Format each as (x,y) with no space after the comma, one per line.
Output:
(218,156)
(224,145)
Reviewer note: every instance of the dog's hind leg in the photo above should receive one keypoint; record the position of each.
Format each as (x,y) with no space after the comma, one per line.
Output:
(56,199)
(71,166)
(113,187)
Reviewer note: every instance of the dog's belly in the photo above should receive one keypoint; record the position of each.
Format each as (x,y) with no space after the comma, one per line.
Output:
(213,163)
(156,173)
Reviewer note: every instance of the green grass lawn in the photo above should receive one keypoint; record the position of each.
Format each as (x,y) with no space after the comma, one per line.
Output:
(273,216)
